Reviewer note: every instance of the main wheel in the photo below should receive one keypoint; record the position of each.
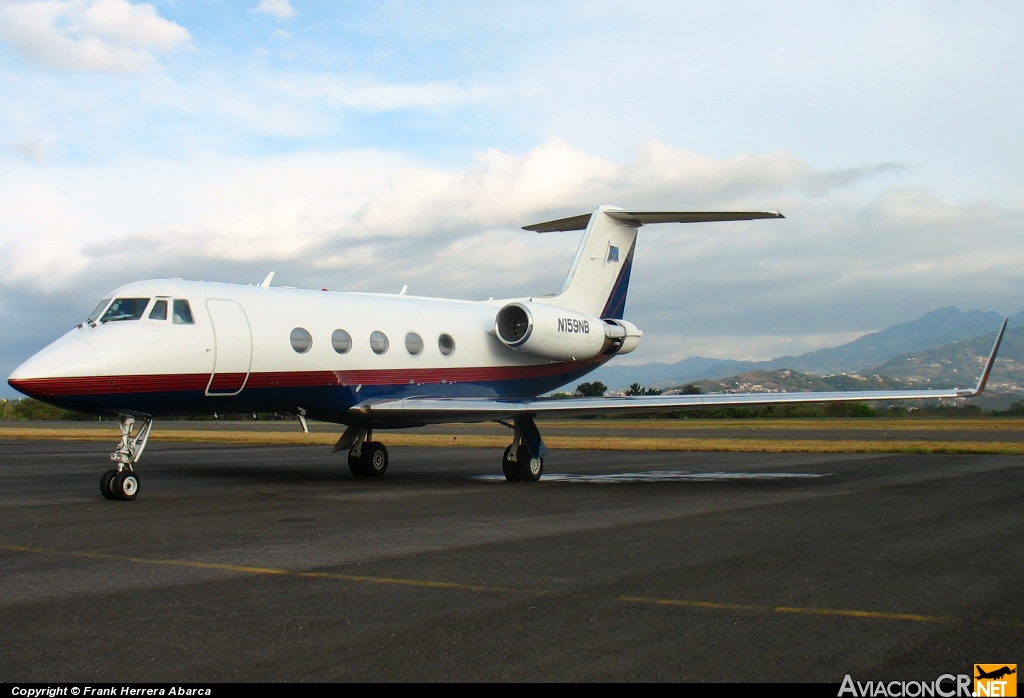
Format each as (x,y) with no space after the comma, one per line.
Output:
(375,459)
(529,467)
(354,466)
(126,485)
(105,484)
(508,467)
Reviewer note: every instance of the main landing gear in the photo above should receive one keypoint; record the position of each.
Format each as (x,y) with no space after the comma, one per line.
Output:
(122,482)
(523,466)
(523,460)
(366,458)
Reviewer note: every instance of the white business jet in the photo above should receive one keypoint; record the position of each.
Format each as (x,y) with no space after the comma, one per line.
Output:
(374,361)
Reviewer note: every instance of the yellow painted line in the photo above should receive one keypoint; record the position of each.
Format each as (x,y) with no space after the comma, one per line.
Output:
(272,571)
(489,589)
(842,613)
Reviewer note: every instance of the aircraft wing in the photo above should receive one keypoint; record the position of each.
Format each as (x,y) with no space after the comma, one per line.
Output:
(432,410)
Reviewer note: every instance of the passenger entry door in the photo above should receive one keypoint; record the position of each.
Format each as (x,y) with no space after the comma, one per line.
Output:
(232,347)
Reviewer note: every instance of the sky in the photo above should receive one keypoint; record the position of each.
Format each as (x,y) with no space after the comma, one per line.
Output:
(366,146)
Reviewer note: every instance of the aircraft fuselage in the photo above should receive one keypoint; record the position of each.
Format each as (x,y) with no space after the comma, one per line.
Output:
(238,354)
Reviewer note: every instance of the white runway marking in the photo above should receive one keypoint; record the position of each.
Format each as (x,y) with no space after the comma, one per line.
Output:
(659,476)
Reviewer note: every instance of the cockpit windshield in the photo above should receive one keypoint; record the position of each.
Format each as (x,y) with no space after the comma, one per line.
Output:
(159,311)
(95,314)
(125,309)
(183,313)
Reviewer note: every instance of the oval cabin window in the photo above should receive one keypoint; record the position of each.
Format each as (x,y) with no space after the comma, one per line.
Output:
(301,340)
(378,342)
(446,344)
(341,341)
(413,343)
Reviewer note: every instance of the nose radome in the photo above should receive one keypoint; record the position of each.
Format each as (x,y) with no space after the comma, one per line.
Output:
(68,357)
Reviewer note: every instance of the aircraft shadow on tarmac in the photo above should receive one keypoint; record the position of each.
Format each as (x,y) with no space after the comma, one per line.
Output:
(282,466)
(309,475)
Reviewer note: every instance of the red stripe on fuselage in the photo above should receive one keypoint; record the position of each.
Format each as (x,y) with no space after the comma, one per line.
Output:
(106,385)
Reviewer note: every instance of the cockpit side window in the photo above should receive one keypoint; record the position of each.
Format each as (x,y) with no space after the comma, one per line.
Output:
(159,311)
(182,313)
(125,309)
(95,314)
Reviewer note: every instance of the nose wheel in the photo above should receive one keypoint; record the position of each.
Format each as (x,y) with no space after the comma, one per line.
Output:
(122,485)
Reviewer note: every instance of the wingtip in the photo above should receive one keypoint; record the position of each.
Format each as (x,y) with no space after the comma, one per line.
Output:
(983,381)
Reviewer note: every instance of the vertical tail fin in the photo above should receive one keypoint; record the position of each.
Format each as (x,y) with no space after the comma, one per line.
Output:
(599,275)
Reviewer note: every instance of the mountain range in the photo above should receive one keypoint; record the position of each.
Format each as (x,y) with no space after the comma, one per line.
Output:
(903,351)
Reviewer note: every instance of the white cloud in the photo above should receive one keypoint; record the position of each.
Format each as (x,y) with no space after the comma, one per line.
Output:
(278,8)
(123,23)
(261,209)
(107,36)
(32,262)
(500,189)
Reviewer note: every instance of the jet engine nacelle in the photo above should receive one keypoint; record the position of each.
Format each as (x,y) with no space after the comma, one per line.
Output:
(562,335)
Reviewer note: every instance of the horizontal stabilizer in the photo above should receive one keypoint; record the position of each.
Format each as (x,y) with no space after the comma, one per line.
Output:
(571,223)
(639,218)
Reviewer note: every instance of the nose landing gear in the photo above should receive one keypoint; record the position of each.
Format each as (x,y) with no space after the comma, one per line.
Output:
(123,482)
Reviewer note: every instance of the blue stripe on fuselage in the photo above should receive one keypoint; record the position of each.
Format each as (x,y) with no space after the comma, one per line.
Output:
(327,403)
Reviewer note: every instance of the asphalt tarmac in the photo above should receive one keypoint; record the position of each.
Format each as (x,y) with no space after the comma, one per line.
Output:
(845,429)
(248,563)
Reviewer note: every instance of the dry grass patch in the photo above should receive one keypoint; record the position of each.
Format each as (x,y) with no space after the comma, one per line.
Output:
(851,424)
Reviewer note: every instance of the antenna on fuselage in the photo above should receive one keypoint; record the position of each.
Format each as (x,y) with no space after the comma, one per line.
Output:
(266,281)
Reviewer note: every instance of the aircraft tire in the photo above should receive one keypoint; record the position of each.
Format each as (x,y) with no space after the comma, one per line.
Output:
(530,468)
(508,468)
(126,485)
(375,459)
(105,484)
(354,466)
